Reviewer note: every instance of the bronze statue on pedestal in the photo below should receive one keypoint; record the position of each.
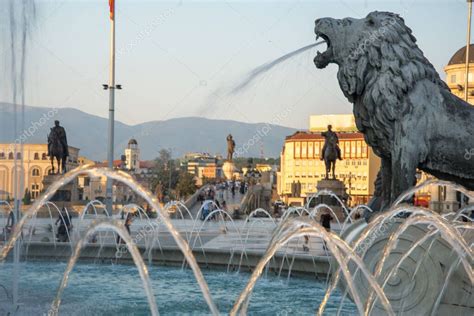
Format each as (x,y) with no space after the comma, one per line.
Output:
(58,147)
(230,147)
(331,151)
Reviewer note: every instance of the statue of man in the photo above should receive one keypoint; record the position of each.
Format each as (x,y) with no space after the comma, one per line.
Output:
(60,133)
(331,151)
(58,147)
(330,139)
(230,147)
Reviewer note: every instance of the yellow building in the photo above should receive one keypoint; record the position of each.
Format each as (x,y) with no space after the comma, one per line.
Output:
(36,165)
(301,160)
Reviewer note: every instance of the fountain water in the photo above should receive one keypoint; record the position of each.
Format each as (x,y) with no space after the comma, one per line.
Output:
(338,247)
(94,204)
(374,262)
(21,17)
(119,228)
(255,73)
(128,180)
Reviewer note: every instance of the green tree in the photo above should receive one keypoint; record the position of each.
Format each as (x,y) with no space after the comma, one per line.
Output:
(27,197)
(166,172)
(241,162)
(186,184)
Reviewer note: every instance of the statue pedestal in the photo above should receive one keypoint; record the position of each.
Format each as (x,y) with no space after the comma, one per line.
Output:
(229,168)
(338,188)
(410,293)
(68,193)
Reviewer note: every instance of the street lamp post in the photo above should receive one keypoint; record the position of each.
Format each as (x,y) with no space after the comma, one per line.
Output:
(111,87)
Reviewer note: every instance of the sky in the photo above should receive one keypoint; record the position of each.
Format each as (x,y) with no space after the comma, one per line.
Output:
(182,58)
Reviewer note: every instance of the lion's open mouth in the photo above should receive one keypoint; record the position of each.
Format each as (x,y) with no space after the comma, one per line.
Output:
(323,59)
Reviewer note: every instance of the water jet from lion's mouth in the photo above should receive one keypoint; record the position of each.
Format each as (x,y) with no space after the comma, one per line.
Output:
(256,72)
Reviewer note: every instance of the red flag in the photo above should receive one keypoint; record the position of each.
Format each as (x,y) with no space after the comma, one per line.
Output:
(112,8)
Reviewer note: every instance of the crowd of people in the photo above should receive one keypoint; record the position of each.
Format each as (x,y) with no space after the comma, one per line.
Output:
(215,196)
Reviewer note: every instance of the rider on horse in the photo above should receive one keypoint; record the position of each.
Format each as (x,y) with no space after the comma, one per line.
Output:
(57,146)
(331,151)
(59,132)
(331,138)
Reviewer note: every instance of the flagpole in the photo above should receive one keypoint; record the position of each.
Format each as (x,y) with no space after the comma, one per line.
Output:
(110,148)
(468,46)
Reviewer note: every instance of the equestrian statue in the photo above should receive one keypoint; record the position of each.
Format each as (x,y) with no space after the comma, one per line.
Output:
(58,147)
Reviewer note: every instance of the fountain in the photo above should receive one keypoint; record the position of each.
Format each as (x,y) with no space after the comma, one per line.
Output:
(419,265)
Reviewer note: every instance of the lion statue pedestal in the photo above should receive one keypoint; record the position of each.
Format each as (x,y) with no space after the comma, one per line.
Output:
(414,289)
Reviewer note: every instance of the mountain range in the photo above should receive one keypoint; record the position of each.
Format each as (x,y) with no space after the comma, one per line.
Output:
(182,135)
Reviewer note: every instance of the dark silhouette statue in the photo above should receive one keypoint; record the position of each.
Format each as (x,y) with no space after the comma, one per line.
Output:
(230,147)
(58,147)
(331,151)
(406,112)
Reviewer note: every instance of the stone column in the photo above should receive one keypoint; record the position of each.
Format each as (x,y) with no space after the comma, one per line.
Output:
(434,198)
(451,203)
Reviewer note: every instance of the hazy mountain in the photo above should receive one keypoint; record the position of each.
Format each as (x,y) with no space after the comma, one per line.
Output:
(89,133)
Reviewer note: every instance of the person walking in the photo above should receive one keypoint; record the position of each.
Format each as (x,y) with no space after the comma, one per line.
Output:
(325,221)
(127,224)
(65,226)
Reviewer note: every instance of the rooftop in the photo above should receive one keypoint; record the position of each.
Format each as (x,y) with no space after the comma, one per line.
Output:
(303,135)
(460,56)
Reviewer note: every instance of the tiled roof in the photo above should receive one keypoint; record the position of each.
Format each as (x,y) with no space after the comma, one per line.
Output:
(300,135)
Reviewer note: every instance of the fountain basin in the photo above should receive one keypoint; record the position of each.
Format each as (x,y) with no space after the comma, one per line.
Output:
(95,289)
(415,288)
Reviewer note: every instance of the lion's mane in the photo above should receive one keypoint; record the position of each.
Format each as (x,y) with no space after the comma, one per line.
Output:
(381,72)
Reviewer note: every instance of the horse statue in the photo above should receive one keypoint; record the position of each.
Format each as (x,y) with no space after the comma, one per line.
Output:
(330,152)
(58,148)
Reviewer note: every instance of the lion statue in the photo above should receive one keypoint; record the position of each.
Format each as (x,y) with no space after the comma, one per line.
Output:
(405,111)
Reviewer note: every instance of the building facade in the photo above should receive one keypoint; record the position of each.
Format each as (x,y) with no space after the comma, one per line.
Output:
(301,161)
(35,166)
(445,199)
(94,188)
(202,166)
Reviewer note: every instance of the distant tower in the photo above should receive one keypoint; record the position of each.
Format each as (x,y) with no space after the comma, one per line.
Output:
(132,154)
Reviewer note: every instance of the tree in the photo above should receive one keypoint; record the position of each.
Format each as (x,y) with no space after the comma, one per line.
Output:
(242,162)
(186,184)
(166,172)
(27,197)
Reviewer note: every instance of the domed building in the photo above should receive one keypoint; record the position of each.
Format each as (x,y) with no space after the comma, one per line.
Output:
(455,73)
(132,155)
(445,199)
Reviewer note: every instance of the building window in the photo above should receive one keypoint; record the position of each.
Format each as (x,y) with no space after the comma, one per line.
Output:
(44,157)
(36,157)
(453,78)
(35,172)
(10,156)
(317,149)
(18,156)
(35,190)
(2,155)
